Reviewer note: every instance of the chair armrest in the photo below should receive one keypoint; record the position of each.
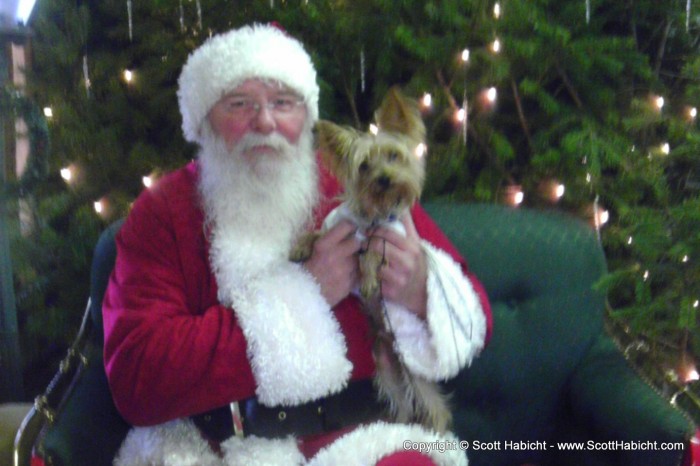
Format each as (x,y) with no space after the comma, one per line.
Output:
(614,403)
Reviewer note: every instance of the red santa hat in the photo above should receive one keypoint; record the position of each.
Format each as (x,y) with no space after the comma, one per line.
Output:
(225,61)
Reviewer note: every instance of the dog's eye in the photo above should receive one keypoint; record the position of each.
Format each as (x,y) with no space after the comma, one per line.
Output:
(364,166)
(392,156)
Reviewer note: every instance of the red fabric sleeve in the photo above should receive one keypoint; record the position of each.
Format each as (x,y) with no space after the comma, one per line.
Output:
(170,351)
(429,231)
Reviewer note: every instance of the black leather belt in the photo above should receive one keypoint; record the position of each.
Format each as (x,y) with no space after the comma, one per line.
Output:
(354,405)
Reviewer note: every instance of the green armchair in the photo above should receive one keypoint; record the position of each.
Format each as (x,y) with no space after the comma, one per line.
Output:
(550,374)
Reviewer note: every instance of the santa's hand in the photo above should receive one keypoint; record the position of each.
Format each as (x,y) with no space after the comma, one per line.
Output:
(405,271)
(333,262)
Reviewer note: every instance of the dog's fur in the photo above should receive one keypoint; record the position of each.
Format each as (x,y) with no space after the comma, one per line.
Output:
(383,177)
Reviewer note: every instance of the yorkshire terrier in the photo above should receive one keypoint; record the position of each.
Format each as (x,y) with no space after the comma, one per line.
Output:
(383,177)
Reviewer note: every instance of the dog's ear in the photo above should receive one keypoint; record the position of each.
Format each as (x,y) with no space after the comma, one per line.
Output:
(335,144)
(400,114)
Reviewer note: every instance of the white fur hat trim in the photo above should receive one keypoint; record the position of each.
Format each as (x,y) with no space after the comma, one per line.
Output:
(225,61)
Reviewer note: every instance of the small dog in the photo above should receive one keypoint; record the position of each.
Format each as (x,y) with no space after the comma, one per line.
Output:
(383,176)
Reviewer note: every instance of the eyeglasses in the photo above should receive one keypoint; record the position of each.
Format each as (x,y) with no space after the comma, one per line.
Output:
(247,107)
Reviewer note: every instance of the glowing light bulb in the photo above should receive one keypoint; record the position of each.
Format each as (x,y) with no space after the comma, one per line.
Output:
(461,115)
(48,113)
(374,129)
(128,76)
(66,173)
(497,10)
(692,112)
(559,191)
(691,375)
(465,55)
(630,240)
(421,150)
(685,259)
(696,303)
(491,94)
(603,217)
(666,148)
(427,100)
(147,181)
(496,46)
(646,275)
(99,207)
(659,101)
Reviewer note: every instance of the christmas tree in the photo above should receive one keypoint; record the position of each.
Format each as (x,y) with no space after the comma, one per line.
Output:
(579,105)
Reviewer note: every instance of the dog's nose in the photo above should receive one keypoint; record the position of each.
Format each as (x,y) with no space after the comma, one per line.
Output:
(384,181)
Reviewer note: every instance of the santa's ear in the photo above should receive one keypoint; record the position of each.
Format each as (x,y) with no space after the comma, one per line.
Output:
(399,114)
(335,144)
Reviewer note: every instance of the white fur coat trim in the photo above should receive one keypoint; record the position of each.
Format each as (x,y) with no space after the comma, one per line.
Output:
(295,344)
(456,324)
(174,443)
(368,444)
(179,443)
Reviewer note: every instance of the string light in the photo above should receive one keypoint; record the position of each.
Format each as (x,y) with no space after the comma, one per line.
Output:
(692,113)
(496,46)
(66,174)
(514,195)
(427,100)
(497,10)
(491,94)
(559,191)
(691,375)
(665,148)
(659,102)
(630,240)
(48,113)
(128,75)
(421,150)
(465,55)
(147,181)
(461,115)
(99,207)
(374,129)
(646,275)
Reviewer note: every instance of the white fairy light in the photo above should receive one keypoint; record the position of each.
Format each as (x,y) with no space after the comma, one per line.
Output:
(692,375)
(465,55)
(147,181)
(696,304)
(646,275)
(461,115)
(666,148)
(559,191)
(99,207)
(374,129)
(630,240)
(497,10)
(604,217)
(48,112)
(128,75)
(427,100)
(496,46)
(685,259)
(66,173)
(491,94)
(420,150)
(659,101)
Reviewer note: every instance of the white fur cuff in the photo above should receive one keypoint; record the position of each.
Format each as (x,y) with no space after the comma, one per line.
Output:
(295,344)
(368,444)
(456,324)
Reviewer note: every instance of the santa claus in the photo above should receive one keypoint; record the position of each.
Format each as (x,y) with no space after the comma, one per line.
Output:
(218,349)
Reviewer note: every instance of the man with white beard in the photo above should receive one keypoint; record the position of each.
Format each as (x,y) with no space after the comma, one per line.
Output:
(218,348)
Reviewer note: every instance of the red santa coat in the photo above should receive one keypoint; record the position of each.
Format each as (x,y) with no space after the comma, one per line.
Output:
(171,350)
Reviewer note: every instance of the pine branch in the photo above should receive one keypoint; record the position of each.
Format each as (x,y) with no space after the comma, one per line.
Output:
(521,115)
(569,86)
(662,48)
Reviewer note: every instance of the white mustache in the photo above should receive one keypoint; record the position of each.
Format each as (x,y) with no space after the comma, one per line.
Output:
(251,140)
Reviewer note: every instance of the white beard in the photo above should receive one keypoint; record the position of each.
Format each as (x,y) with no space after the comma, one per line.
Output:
(256,206)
